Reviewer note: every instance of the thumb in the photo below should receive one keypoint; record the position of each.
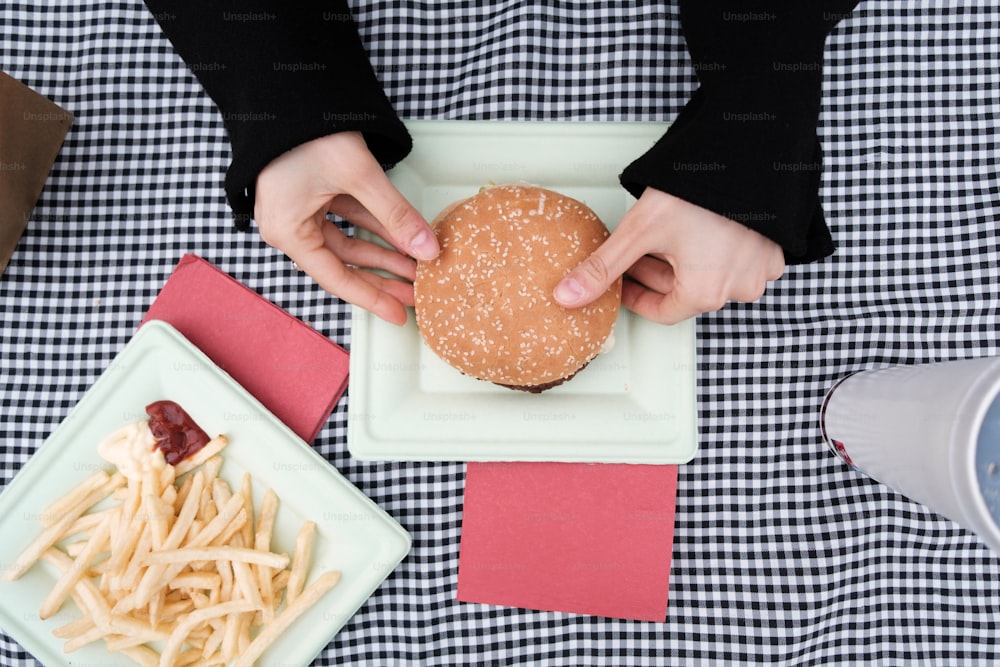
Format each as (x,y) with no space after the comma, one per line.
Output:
(592,278)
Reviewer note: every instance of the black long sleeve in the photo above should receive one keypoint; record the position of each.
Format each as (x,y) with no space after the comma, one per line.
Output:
(745,145)
(282,73)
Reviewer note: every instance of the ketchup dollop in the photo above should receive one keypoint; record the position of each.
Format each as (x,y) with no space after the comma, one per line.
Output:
(176,434)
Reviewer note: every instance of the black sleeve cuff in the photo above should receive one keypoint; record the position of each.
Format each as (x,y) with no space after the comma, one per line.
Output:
(745,145)
(282,74)
(748,166)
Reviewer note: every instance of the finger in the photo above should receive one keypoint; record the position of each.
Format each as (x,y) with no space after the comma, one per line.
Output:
(653,273)
(749,291)
(655,306)
(405,227)
(605,265)
(350,209)
(750,284)
(776,263)
(397,289)
(324,267)
(360,252)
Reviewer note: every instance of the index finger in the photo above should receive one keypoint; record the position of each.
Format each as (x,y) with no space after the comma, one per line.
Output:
(603,267)
(406,227)
(668,308)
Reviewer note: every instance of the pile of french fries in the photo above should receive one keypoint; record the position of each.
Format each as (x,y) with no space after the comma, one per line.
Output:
(173,567)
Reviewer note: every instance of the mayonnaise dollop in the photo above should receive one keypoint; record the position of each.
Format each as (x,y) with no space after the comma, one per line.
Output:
(609,343)
(132,449)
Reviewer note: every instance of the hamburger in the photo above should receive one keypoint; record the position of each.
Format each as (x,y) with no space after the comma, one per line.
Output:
(485,305)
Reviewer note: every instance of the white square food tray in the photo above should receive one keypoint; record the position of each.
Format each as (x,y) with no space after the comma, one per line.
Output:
(354,535)
(635,404)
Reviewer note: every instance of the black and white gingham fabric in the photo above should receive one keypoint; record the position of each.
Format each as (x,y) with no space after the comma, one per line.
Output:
(782,555)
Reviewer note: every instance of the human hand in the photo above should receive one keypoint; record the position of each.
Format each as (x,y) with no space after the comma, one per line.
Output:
(679,260)
(338,174)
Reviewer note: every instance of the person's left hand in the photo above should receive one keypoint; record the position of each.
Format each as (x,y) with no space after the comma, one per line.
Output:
(338,174)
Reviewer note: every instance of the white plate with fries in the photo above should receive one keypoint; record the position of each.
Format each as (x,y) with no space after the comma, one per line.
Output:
(634,404)
(196,577)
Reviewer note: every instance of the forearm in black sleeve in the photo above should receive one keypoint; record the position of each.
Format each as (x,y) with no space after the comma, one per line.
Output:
(282,73)
(745,145)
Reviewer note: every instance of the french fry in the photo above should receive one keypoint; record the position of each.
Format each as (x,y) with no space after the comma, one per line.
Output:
(189,658)
(184,491)
(280,582)
(151,482)
(246,583)
(265,520)
(143,655)
(186,516)
(213,447)
(243,638)
(73,549)
(86,594)
(246,490)
(300,561)
(57,531)
(156,513)
(88,522)
(77,642)
(134,573)
(169,497)
(75,627)
(202,580)
(175,608)
(155,606)
(212,467)
(172,647)
(128,536)
(232,531)
(234,512)
(262,542)
(273,630)
(225,570)
(61,506)
(168,475)
(230,639)
(221,493)
(58,594)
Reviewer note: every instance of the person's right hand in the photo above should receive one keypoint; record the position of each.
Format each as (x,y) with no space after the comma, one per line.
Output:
(679,260)
(338,174)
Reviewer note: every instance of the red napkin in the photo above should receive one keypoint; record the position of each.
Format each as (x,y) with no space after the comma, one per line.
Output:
(581,538)
(296,372)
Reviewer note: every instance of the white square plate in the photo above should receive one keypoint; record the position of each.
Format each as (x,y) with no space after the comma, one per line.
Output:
(635,404)
(353,535)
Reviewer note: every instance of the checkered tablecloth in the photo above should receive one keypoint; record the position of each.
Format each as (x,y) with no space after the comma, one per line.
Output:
(783,555)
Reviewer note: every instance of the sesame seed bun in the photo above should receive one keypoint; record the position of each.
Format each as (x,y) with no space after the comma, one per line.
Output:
(485,305)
